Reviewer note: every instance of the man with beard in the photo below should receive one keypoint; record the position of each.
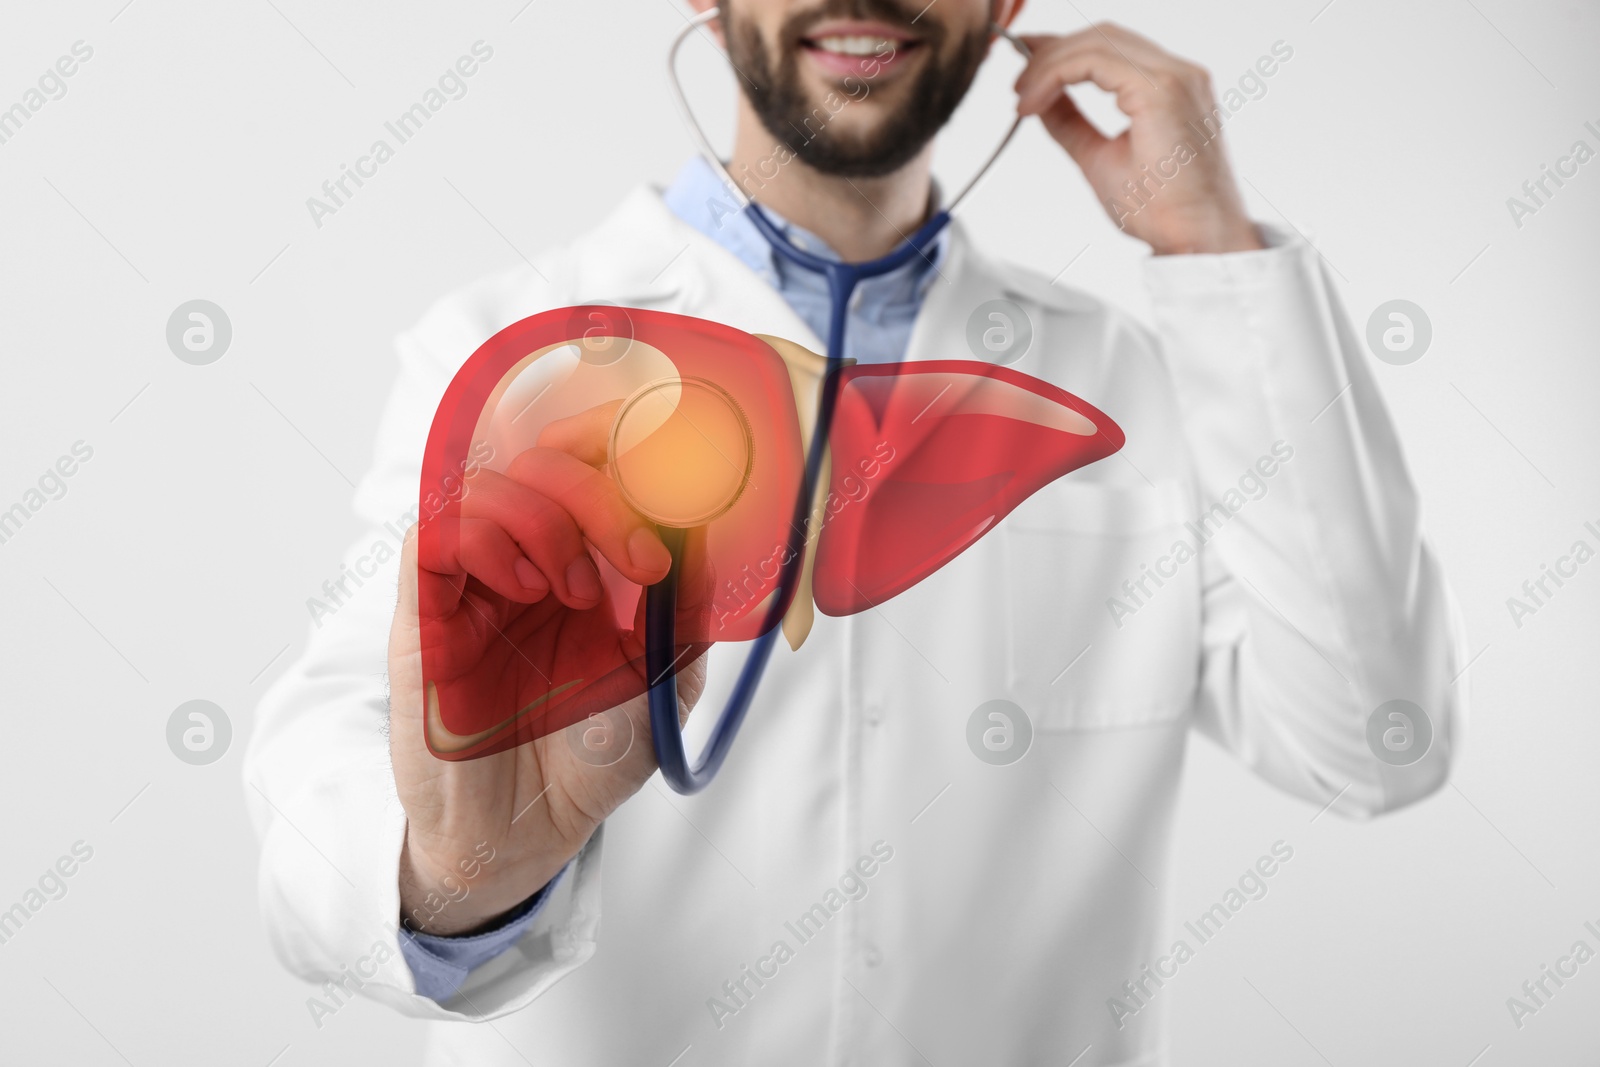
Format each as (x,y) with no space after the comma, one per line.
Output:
(945,828)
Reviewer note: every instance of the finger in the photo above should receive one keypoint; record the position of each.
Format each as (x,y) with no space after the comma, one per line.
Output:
(429,575)
(1063,64)
(1135,48)
(490,555)
(479,548)
(614,528)
(1041,86)
(1064,122)
(1133,91)
(428,594)
(546,535)
(407,605)
(585,436)
(595,503)
(1149,56)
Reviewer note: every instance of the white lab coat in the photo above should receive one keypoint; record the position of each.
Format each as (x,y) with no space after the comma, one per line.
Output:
(1018,899)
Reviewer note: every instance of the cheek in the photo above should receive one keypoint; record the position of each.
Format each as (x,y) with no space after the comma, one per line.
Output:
(751,34)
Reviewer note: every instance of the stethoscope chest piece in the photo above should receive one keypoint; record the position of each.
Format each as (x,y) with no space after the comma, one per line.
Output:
(681,451)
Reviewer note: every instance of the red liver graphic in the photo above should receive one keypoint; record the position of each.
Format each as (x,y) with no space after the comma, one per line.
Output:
(695,421)
(697,425)
(936,453)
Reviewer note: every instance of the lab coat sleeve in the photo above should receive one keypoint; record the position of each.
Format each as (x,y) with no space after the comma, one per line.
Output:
(318,780)
(1322,600)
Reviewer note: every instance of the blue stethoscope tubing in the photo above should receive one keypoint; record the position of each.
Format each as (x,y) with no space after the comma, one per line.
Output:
(661,599)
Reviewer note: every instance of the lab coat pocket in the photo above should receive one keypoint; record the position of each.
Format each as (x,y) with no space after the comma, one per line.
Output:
(1103,605)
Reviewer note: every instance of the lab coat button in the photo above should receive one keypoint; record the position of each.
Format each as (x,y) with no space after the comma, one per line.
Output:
(874,714)
(872,956)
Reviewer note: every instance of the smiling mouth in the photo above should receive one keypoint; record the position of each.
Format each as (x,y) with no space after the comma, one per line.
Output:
(865,52)
(855,44)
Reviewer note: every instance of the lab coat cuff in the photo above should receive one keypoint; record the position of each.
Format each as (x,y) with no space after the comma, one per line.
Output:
(556,941)
(1249,337)
(1178,276)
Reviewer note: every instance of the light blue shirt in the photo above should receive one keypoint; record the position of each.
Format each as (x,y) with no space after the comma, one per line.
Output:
(882,313)
(883,309)
(440,965)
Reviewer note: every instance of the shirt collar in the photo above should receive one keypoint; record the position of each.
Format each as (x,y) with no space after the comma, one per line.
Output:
(700,197)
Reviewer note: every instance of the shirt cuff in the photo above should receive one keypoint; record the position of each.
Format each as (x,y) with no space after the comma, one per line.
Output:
(440,965)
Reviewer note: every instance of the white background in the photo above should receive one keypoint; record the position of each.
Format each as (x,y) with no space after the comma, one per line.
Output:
(178,564)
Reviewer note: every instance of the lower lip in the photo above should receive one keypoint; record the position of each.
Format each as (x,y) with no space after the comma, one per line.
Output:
(869,66)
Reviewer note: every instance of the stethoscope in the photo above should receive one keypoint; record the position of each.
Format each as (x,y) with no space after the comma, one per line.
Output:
(661,602)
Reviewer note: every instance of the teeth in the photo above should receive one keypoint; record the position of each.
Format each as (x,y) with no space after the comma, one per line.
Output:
(855,46)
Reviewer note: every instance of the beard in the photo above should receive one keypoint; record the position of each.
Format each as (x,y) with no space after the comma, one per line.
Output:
(779,100)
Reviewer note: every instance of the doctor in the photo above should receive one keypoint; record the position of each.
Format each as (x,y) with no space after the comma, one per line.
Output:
(943,834)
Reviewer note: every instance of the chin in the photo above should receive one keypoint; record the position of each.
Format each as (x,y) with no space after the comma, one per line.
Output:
(857,135)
